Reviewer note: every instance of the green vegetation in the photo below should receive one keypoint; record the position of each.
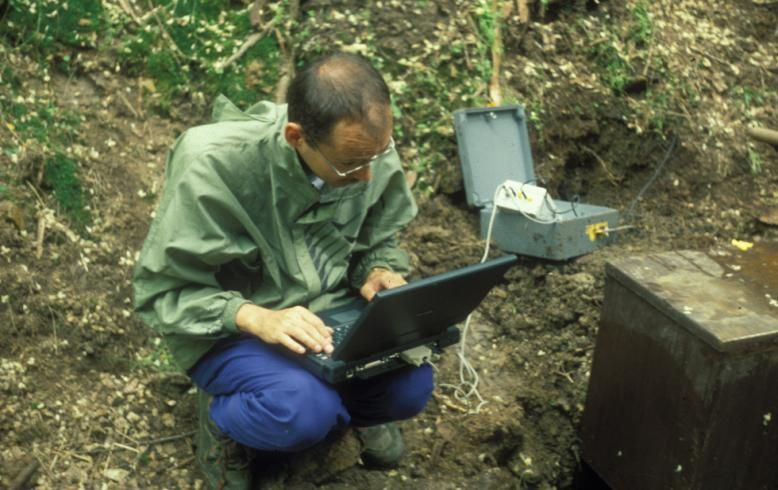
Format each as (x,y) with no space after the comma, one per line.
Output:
(610,53)
(48,25)
(158,357)
(182,47)
(61,177)
(755,161)
(189,50)
(37,125)
(747,97)
(616,70)
(640,30)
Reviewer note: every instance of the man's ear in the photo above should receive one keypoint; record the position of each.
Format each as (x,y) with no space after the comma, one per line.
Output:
(293,133)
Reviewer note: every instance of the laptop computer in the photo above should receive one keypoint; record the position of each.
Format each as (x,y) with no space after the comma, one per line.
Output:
(375,337)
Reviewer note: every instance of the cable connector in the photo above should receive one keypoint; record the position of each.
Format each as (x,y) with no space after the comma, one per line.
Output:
(417,355)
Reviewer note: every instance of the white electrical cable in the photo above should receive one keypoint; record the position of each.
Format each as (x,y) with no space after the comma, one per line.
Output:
(468,376)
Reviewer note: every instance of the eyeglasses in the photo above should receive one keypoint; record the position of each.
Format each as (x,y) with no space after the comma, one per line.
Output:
(353,170)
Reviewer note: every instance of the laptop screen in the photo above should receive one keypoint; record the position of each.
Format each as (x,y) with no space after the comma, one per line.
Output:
(425,308)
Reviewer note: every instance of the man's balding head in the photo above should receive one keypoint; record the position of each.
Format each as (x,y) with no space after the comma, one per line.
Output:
(338,87)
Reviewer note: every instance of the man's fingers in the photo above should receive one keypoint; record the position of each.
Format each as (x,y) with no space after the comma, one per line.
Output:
(309,317)
(290,344)
(307,338)
(325,332)
(392,280)
(368,291)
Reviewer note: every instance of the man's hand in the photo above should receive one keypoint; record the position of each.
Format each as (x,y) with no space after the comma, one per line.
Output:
(295,328)
(379,279)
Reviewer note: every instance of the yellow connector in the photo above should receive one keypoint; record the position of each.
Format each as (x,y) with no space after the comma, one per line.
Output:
(594,230)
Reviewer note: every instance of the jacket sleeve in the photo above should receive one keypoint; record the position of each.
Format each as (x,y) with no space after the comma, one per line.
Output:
(377,244)
(196,232)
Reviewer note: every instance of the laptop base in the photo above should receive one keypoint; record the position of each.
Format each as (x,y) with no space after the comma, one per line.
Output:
(335,371)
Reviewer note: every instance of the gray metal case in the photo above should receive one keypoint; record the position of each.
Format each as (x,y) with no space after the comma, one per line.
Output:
(494,147)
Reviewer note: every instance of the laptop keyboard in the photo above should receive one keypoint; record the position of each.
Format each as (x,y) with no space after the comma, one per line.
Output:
(338,334)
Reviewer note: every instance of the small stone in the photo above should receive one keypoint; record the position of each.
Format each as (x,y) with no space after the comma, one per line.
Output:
(116,474)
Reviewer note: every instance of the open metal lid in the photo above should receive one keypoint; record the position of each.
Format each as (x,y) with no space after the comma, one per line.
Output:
(493,147)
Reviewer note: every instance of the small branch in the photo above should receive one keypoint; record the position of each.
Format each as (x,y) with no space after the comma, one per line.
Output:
(708,55)
(250,41)
(495,91)
(177,54)
(129,11)
(612,178)
(255,14)
(116,445)
(287,69)
(168,438)
(178,465)
(449,404)
(523,11)
(40,236)
(765,135)
(127,103)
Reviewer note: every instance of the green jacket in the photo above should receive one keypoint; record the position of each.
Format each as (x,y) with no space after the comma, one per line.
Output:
(239,221)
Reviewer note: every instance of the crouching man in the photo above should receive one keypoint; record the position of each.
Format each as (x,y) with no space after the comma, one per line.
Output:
(267,217)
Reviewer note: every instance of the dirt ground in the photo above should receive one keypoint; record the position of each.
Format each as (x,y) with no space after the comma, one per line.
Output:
(87,394)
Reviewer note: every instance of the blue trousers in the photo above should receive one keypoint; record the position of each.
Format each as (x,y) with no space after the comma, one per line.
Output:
(266,401)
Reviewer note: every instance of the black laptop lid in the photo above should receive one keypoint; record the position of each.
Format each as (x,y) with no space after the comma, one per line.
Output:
(424,308)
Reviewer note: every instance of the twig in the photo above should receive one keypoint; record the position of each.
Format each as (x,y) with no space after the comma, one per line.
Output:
(250,41)
(523,11)
(40,236)
(288,69)
(37,195)
(168,438)
(566,376)
(255,14)
(129,11)
(127,103)
(495,92)
(140,97)
(648,58)
(765,135)
(151,442)
(611,178)
(707,55)
(177,54)
(54,330)
(127,448)
(177,465)
(449,404)
(24,476)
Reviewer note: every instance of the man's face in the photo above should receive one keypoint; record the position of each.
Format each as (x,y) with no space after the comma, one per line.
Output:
(349,153)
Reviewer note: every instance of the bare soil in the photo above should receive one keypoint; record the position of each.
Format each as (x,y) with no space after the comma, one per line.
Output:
(86,395)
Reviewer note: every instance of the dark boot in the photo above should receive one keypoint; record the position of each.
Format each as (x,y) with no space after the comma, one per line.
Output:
(382,445)
(224,462)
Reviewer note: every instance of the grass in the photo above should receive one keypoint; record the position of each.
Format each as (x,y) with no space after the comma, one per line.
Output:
(62,177)
(37,124)
(158,357)
(755,161)
(617,68)
(640,29)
